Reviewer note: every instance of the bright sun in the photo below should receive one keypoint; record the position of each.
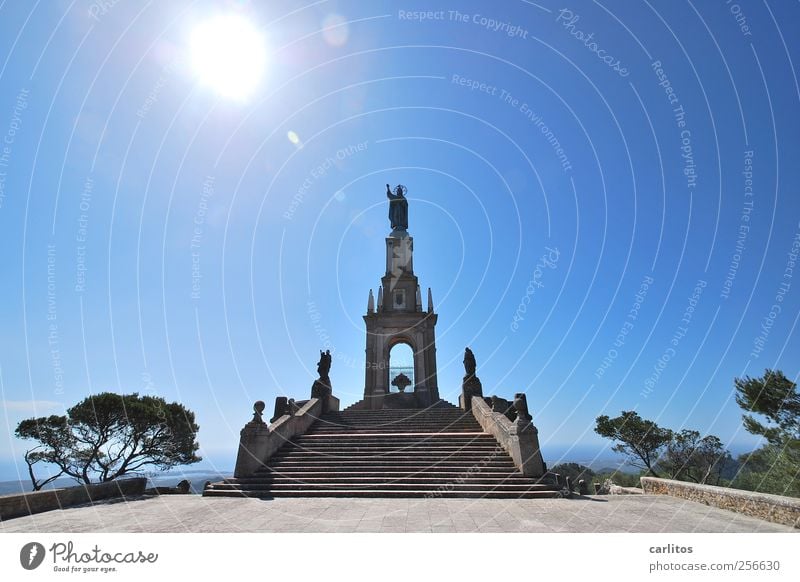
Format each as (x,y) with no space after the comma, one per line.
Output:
(228,54)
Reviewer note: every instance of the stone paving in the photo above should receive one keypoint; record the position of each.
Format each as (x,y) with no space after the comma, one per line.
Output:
(193,513)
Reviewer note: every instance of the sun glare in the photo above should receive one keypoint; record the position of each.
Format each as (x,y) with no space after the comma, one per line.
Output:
(228,55)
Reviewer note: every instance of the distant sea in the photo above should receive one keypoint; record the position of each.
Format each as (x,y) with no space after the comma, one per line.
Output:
(197,478)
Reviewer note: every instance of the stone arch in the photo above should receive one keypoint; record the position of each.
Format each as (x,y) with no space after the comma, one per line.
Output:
(393,366)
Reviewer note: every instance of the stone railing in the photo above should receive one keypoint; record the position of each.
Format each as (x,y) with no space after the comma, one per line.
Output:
(259,441)
(520,438)
(22,504)
(774,508)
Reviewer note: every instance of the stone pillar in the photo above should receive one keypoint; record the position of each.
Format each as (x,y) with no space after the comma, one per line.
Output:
(470,386)
(252,443)
(530,456)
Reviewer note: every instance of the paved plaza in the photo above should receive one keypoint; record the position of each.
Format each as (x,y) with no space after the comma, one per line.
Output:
(193,513)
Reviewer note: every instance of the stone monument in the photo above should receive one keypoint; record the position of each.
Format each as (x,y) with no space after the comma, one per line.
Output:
(398,318)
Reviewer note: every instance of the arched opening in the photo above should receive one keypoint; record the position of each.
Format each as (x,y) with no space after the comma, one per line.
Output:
(401,368)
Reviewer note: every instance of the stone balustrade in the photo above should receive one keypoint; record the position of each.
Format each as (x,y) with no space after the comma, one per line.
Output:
(520,438)
(259,441)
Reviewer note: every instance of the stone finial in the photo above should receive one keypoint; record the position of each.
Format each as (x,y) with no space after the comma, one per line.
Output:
(430,301)
(371,303)
(258,412)
(380,298)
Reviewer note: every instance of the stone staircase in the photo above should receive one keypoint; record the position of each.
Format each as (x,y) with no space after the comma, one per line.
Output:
(437,452)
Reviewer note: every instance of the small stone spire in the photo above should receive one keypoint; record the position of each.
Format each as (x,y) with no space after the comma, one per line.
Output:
(418,303)
(380,298)
(430,301)
(371,303)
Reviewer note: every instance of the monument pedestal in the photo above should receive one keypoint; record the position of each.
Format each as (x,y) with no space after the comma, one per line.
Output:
(470,386)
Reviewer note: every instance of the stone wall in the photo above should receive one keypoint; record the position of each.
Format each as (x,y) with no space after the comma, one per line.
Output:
(22,504)
(774,508)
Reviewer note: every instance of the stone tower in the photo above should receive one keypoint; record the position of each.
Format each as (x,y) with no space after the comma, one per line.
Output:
(398,318)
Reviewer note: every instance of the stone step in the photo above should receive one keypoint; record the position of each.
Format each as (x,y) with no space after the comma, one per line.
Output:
(380,430)
(370,470)
(474,493)
(403,462)
(360,479)
(410,449)
(390,442)
(420,459)
(426,437)
(399,412)
(397,486)
(391,452)
(401,422)
(383,462)
(449,474)
(424,417)
(399,418)
(393,430)
(394,441)
(420,456)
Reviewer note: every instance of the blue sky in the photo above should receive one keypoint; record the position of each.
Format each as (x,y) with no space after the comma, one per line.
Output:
(646,150)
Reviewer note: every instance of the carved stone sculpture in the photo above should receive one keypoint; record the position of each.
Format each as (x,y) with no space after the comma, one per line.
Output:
(398,207)
(469,363)
(471,385)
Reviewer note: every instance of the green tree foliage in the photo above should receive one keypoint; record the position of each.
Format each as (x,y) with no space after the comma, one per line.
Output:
(641,440)
(774,468)
(775,397)
(110,435)
(688,457)
(769,470)
(618,477)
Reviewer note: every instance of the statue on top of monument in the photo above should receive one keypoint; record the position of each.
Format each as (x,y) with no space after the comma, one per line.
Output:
(469,363)
(471,384)
(398,207)
(324,365)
